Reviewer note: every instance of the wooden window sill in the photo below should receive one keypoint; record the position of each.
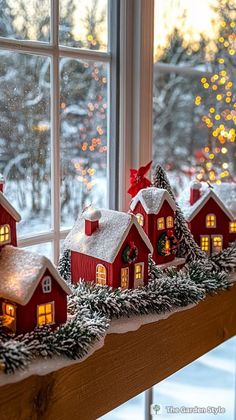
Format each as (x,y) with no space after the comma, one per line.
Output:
(125,366)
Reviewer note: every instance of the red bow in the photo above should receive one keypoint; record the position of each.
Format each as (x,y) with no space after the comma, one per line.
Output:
(138,180)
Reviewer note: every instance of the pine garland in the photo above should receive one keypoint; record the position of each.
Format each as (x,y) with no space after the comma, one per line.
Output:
(91,307)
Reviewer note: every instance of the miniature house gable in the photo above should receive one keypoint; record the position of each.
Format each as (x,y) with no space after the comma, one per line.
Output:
(211,215)
(155,209)
(32,293)
(8,219)
(114,253)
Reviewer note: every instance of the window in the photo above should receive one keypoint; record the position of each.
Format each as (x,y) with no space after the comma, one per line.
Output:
(101,274)
(45,314)
(169,222)
(205,243)
(124,278)
(5,234)
(193,83)
(138,274)
(47,284)
(217,244)
(160,223)
(138,271)
(66,84)
(140,219)
(210,221)
(232,227)
(9,309)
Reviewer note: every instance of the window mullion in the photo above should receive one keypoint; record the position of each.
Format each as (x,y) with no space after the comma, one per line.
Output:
(55,132)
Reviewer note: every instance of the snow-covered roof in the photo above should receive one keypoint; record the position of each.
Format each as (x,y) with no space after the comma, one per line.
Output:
(152,199)
(224,195)
(9,208)
(106,241)
(20,273)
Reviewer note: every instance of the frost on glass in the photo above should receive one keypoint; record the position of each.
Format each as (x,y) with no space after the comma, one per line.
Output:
(83,24)
(194,90)
(25,19)
(83,136)
(25,137)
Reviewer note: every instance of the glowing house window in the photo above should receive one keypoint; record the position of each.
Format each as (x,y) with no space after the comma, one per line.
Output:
(138,271)
(232,227)
(160,223)
(124,278)
(9,310)
(45,314)
(169,222)
(5,234)
(205,243)
(101,274)
(210,221)
(217,244)
(140,219)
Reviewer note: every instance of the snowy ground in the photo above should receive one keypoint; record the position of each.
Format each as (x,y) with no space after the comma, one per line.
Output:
(209,381)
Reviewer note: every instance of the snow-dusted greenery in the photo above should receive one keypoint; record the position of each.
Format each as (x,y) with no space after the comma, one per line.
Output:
(92,307)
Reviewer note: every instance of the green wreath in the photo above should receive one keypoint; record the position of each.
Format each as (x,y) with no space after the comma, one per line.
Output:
(162,242)
(130,253)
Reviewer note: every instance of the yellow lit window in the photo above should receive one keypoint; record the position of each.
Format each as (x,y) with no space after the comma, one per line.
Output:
(161,223)
(9,309)
(124,277)
(169,222)
(138,272)
(211,221)
(5,234)
(140,218)
(217,244)
(205,243)
(101,274)
(232,227)
(46,313)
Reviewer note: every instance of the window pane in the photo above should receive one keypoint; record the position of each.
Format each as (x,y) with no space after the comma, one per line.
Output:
(207,382)
(23,19)
(83,24)
(194,101)
(83,136)
(25,137)
(43,249)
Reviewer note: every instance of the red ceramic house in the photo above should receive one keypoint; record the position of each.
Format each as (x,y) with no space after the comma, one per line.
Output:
(155,211)
(211,215)
(32,293)
(109,247)
(8,219)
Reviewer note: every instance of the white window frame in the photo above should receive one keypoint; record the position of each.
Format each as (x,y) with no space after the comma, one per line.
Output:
(101,279)
(53,50)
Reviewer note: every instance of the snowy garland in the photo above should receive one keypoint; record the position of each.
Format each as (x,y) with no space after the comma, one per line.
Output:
(91,307)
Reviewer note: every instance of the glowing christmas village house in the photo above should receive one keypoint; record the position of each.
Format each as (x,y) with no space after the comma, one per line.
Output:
(211,215)
(109,247)
(155,211)
(32,293)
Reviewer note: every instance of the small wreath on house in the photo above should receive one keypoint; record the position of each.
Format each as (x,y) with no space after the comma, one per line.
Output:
(167,244)
(130,253)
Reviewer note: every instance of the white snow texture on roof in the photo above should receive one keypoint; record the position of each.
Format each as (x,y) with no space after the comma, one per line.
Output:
(21,272)
(105,242)
(152,199)
(225,192)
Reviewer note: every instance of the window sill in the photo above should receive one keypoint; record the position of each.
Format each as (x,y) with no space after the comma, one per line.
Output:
(126,365)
